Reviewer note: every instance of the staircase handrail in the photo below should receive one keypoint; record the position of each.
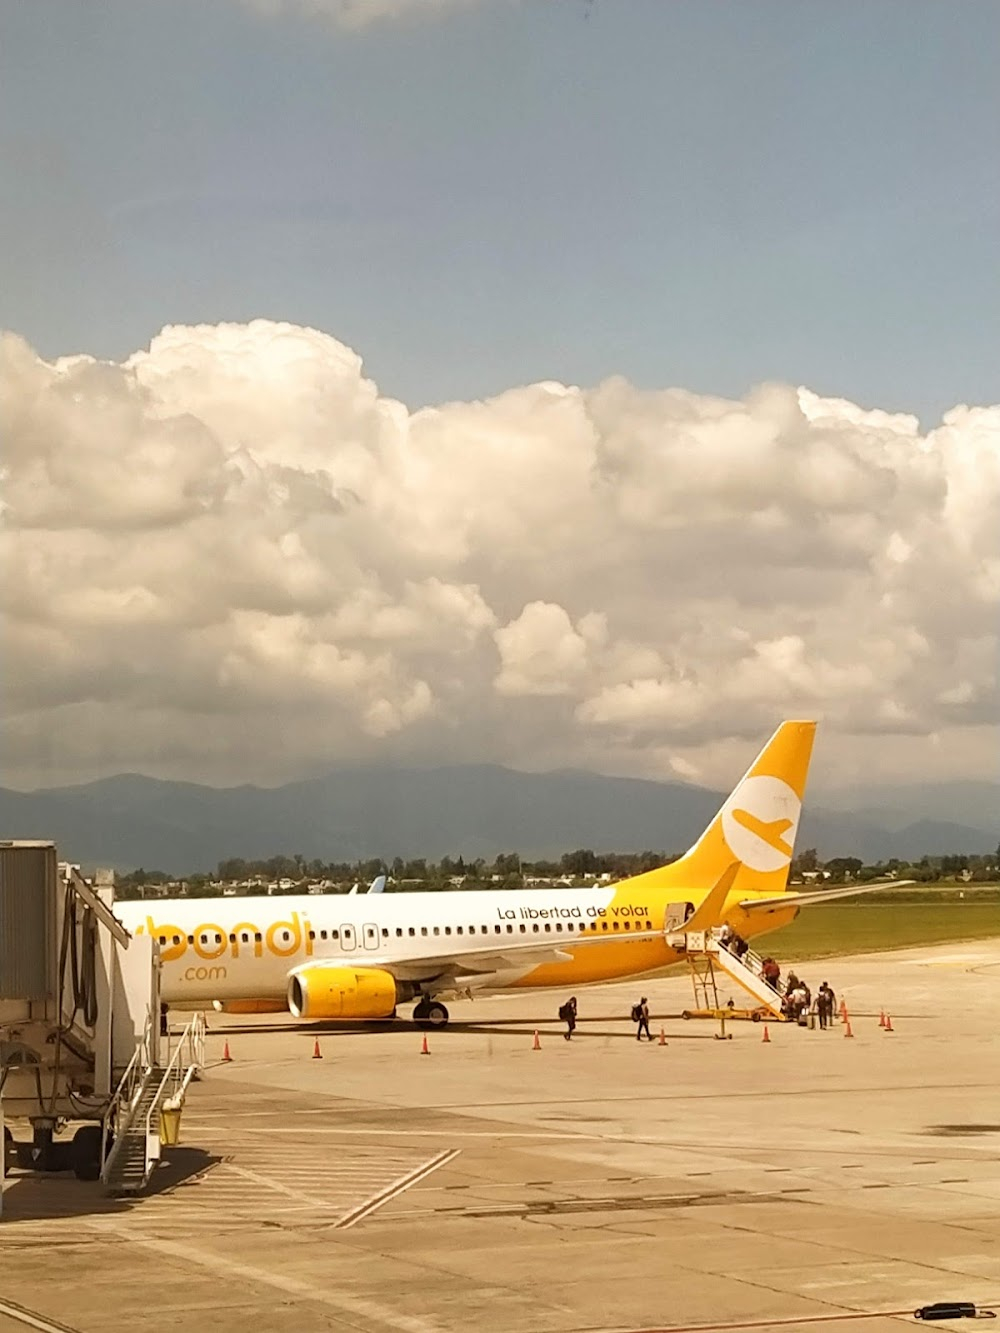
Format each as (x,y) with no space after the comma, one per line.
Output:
(126,1092)
(178,1074)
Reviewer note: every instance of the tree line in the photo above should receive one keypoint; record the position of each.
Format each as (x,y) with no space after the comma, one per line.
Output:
(510,871)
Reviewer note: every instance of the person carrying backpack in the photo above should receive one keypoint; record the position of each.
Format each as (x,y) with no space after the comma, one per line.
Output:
(567,1012)
(640,1016)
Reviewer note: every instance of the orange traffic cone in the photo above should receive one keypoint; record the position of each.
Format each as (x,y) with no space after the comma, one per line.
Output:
(536,1045)
(847,1028)
(881,1018)
(767,1036)
(843,1011)
(226,1057)
(888,1023)
(317,1053)
(663,1037)
(425,1049)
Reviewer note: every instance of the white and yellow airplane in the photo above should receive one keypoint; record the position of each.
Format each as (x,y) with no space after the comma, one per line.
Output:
(358,956)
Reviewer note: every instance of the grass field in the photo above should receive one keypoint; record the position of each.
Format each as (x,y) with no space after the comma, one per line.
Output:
(844,928)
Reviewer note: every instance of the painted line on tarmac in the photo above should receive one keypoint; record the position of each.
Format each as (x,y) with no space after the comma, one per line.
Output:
(32,1320)
(216,1263)
(395,1189)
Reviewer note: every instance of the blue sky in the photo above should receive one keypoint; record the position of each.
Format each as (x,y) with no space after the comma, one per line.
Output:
(704,195)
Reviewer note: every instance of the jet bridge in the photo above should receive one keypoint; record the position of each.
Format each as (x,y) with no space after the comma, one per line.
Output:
(80,1040)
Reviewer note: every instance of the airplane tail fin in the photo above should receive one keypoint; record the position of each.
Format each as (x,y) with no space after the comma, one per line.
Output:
(757,824)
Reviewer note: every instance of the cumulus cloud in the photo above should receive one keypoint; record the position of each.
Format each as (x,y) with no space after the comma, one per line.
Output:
(230,557)
(354,15)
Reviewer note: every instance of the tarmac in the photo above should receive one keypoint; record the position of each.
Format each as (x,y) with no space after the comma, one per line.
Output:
(810,1181)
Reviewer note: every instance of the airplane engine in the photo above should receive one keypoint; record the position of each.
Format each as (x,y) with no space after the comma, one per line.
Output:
(334,991)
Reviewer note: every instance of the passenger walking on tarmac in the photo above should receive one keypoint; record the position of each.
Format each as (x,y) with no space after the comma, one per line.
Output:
(824,1009)
(567,1013)
(640,1016)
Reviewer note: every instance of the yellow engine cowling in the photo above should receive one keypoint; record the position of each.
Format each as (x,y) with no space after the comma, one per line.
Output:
(341,992)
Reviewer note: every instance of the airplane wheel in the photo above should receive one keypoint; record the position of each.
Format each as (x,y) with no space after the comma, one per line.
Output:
(433,1014)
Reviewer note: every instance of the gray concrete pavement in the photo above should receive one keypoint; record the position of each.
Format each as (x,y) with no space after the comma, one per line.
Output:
(596,1184)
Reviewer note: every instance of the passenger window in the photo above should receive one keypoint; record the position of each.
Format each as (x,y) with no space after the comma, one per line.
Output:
(399,932)
(628,925)
(458,930)
(615,924)
(604,925)
(190,939)
(285,936)
(312,935)
(246,938)
(334,934)
(258,938)
(385,933)
(232,938)
(163,939)
(423,930)
(177,939)
(649,925)
(496,929)
(322,934)
(524,929)
(412,930)
(485,930)
(535,928)
(559,926)
(548,926)
(437,930)
(510,929)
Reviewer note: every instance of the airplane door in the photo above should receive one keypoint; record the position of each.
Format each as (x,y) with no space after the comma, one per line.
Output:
(673,925)
(369,934)
(347,938)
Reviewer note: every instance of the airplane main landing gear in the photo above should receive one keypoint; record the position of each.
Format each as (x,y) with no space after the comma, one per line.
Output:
(430,1014)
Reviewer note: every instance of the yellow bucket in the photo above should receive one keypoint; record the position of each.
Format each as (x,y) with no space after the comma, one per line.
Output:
(170,1126)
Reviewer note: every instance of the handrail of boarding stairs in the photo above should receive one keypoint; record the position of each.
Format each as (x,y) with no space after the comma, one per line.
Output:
(177,1076)
(191,1044)
(128,1089)
(753,962)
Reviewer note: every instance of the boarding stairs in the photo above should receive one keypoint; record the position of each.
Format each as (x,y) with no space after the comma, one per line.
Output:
(707,956)
(132,1123)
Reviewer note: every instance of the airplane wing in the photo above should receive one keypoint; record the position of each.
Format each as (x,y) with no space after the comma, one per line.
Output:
(377,885)
(821,896)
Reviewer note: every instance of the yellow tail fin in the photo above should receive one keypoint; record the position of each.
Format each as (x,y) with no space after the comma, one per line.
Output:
(756,826)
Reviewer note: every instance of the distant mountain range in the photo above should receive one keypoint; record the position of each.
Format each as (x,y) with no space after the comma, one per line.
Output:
(181,827)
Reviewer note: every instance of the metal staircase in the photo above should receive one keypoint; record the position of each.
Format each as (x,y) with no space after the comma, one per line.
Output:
(707,956)
(146,1089)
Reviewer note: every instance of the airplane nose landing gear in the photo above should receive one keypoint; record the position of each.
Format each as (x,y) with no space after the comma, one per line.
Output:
(430,1013)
